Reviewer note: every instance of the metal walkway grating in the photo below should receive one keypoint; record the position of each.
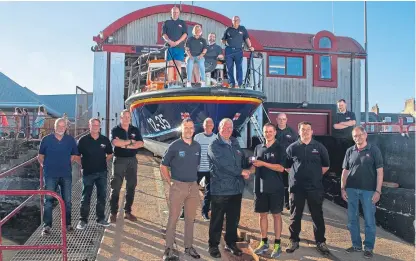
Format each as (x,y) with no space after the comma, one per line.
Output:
(82,245)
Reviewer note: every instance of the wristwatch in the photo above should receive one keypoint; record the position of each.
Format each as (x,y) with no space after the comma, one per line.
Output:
(378,192)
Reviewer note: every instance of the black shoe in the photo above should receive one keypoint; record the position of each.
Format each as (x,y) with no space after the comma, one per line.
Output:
(233,249)
(192,252)
(205,217)
(292,247)
(368,254)
(182,217)
(214,252)
(353,249)
(322,248)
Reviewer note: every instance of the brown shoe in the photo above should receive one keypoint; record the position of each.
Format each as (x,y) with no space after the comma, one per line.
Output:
(130,217)
(113,218)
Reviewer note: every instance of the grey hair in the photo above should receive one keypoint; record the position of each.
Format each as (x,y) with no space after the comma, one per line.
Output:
(207,119)
(94,119)
(57,121)
(223,121)
(361,128)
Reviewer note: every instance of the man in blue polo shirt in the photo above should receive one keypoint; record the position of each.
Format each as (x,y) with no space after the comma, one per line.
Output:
(361,180)
(56,153)
(174,32)
(234,38)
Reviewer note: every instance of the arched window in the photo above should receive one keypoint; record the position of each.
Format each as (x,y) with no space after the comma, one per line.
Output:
(325,42)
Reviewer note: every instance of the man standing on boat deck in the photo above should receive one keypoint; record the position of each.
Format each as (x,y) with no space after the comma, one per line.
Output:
(183,157)
(310,162)
(126,140)
(196,48)
(56,153)
(227,185)
(268,188)
(285,136)
(234,38)
(361,180)
(95,150)
(214,53)
(174,32)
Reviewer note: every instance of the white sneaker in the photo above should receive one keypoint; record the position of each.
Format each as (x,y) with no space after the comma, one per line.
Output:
(188,84)
(203,84)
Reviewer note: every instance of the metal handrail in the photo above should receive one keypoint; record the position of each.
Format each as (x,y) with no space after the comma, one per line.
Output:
(32,193)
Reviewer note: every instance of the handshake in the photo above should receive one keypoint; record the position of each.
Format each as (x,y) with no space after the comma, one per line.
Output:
(245,173)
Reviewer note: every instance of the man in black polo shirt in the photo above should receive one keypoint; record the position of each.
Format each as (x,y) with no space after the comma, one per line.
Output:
(309,161)
(95,150)
(126,140)
(174,32)
(344,123)
(361,180)
(269,188)
(214,53)
(183,157)
(196,48)
(234,38)
(285,136)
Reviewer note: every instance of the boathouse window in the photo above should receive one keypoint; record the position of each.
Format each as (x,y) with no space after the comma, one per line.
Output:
(325,72)
(409,119)
(325,42)
(285,66)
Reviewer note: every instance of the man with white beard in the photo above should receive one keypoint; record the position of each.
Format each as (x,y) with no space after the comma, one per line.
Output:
(56,153)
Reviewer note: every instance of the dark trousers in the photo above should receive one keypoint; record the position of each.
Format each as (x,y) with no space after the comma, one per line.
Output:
(65,186)
(123,168)
(285,177)
(99,179)
(234,55)
(206,204)
(230,206)
(297,203)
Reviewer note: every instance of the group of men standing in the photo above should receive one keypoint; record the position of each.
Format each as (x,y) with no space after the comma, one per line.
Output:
(57,153)
(175,34)
(224,165)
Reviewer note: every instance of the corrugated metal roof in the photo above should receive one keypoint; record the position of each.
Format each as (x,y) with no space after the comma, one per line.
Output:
(275,39)
(13,95)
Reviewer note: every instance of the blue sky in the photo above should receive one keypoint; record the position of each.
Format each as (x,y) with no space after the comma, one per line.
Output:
(46,46)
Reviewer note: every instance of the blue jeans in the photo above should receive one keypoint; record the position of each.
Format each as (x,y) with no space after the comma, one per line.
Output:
(190,67)
(206,204)
(234,55)
(88,181)
(369,209)
(65,186)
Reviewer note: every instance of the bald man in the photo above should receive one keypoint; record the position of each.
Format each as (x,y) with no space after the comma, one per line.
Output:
(174,32)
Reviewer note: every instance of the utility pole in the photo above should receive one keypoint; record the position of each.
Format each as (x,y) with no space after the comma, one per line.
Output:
(366,62)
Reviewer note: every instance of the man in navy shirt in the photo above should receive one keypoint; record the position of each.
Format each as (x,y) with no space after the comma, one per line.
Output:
(95,150)
(309,161)
(174,32)
(361,180)
(234,38)
(126,140)
(56,153)
(183,157)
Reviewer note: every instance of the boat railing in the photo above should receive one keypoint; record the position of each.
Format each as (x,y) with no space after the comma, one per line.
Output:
(147,69)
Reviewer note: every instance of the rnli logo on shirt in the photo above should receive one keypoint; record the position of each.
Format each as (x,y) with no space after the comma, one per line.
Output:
(288,136)
(314,151)
(367,155)
(272,155)
(200,43)
(240,32)
(181,154)
(180,25)
(102,146)
(348,118)
(197,154)
(133,135)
